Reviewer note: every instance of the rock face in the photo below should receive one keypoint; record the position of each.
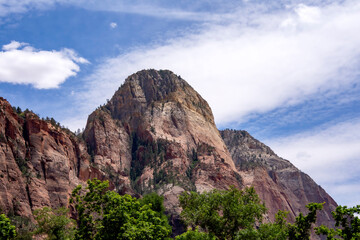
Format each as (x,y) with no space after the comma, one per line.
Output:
(155,134)
(40,163)
(279,183)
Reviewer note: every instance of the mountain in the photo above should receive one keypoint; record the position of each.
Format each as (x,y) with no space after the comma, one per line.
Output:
(39,162)
(158,133)
(155,134)
(278,182)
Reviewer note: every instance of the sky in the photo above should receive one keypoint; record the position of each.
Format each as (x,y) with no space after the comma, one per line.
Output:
(286,71)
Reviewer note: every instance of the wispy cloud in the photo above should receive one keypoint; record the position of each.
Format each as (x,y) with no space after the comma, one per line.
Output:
(186,10)
(330,155)
(20,6)
(317,110)
(277,58)
(23,64)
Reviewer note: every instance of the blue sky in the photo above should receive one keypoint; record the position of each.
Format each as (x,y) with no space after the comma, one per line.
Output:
(286,71)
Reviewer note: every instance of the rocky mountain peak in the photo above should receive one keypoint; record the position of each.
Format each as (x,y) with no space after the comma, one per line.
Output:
(151,87)
(155,134)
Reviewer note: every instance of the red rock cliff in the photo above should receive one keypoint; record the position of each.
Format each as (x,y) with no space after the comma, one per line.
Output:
(278,182)
(155,134)
(40,163)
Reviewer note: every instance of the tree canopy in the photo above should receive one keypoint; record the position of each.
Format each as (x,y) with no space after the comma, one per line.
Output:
(237,214)
(104,214)
(232,214)
(7,230)
(222,213)
(55,223)
(347,224)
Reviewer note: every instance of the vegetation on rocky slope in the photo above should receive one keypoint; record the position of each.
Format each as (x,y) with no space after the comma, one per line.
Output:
(98,213)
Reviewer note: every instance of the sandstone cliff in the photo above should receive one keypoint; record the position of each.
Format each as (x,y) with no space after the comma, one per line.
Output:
(155,134)
(40,163)
(279,183)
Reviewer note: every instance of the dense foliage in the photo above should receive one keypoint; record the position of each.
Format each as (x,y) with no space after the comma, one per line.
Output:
(216,215)
(54,223)
(7,230)
(346,222)
(103,214)
(222,213)
(191,235)
(301,228)
(236,214)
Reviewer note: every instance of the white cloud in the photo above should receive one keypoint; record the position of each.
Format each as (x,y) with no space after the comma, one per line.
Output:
(308,14)
(42,69)
(241,69)
(13,45)
(20,6)
(113,25)
(151,8)
(330,155)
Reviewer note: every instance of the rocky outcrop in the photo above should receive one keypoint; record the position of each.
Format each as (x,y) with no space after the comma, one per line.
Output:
(158,133)
(279,183)
(13,186)
(155,134)
(40,163)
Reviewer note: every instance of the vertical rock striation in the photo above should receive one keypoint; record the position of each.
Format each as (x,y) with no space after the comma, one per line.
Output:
(155,134)
(40,163)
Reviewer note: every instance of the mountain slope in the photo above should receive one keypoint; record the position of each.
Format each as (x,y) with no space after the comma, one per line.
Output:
(40,163)
(155,134)
(158,133)
(278,182)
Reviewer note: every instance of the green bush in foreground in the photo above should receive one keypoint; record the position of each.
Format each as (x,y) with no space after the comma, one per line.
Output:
(231,214)
(237,214)
(54,223)
(7,230)
(191,235)
(346,222)
(103,214)
(223,213)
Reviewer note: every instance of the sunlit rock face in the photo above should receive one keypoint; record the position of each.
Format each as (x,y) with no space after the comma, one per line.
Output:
(40,163)
(155,134)
(278,182)
(158,134)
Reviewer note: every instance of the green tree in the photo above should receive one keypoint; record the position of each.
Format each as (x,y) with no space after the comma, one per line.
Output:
(102,214)
(55,223)
(346,222)
(18,110)
(156,203)
(125,217)
(24,226)
(7,230)
(301,229)
(195,235)
(225,214)
(268,231)
(88,208)
(275,231)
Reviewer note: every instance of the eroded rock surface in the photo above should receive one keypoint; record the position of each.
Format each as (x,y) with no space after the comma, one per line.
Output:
(278,182)
(155,134)
(40,163)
